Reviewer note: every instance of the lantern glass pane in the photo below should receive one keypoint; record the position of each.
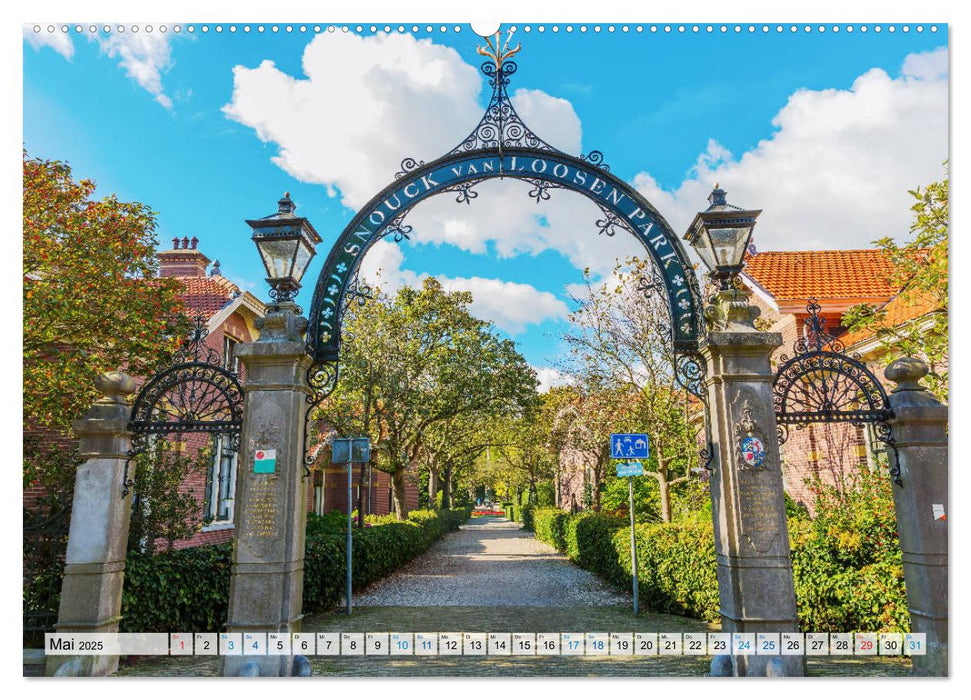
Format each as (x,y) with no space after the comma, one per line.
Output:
(304,254)
(702,246)
(728,245)
(277,256)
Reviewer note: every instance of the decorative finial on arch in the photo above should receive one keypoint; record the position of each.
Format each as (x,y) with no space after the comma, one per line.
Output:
(499,56)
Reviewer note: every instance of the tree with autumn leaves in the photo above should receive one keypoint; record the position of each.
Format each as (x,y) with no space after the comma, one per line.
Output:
(92,301)
(620,346)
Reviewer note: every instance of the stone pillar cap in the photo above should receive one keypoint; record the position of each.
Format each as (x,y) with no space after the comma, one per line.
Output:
(906,373)
(115,387)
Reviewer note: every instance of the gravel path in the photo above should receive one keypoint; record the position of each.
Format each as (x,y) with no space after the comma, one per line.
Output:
(491,562)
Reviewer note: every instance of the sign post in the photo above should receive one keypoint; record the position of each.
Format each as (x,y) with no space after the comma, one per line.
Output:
(348,451)
(628,446)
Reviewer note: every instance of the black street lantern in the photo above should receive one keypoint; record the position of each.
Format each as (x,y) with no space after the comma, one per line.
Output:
(721,234)
(287,243)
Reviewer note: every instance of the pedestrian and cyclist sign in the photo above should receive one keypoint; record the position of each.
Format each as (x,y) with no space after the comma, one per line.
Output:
(628,446)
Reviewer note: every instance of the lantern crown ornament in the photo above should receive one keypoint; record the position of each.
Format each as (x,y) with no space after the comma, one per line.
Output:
(720,235)
(287,243)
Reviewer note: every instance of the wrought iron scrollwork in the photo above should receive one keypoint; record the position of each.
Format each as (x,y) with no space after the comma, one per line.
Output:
(651,284)
(407,165)
(821,383)
(690,372)
(322,379)
(357,292)
(610,223)
(500,127)
(193,395)
(464,191)
(398,229)
(596,158)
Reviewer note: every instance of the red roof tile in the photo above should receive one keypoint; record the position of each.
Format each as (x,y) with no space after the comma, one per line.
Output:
(207,295)
(898,310)
(823,274)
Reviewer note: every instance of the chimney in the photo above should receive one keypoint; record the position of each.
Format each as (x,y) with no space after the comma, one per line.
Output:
(184,261)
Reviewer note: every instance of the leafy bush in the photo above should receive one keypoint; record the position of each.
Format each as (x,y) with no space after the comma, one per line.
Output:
(676,567)
(548,524)
(846,562)
(189,588)
(527,516)
(180,589)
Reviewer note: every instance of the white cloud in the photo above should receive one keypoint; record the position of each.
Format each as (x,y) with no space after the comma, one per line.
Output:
(57,40)
(836,172)
(144,56)
(550,377)
(365,104)
(930,65)
(512,306)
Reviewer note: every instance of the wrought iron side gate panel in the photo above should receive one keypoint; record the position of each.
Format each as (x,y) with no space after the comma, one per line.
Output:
(821,383)
(196,394)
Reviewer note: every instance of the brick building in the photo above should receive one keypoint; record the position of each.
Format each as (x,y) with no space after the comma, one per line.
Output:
(781,283)
(328,490)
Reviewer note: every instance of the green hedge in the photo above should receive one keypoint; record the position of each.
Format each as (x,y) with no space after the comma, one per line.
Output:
(188,589)
(677,571)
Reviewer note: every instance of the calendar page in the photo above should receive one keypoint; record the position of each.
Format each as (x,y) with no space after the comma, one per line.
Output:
(364,347)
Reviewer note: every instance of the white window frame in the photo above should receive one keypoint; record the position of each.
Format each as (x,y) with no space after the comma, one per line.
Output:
(229,342)
(221,450)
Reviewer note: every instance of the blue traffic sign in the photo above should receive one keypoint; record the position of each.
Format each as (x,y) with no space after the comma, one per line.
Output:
(630,469)
(628,446)
(350,450)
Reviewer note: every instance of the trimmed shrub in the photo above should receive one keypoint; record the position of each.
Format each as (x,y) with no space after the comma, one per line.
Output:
(189,588)
(527,516)
(181,589)
(845,579)
(676,568)
(548,524)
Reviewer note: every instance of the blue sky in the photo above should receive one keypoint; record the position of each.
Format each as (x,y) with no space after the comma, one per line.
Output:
(824,131)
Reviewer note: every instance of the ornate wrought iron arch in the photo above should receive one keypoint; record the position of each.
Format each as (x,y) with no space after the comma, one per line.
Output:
(500,146)
(821,383)
(193,395)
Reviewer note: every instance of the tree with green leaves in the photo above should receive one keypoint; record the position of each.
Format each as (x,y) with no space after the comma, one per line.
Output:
(92,301)
(412,364)
(525,447)
(163,511)
(919,268)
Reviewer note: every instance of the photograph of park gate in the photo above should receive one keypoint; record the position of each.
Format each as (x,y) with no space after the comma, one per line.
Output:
(505,404)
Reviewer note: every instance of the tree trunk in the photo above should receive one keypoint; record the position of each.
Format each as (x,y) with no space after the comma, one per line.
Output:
(665,490)
(432,485)
(398,494)
(360,496)
(447,487)
(595,489)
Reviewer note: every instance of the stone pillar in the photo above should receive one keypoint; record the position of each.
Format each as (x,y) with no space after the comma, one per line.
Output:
(755,584)
(920,436)
(94,570)
(266,590)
